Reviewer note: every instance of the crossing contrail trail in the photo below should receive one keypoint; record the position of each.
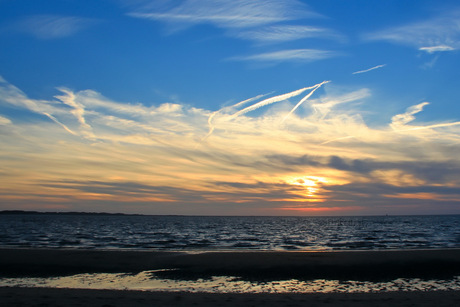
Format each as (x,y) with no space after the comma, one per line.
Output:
(261,104)
(304,99)
(236,105)
(270,101)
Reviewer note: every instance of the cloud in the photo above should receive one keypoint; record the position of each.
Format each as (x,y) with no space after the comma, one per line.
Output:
(284,33)
(4,121)
(400,120)
(441,33)
(78,111)
(434,49)
(225,14)
(369,69)
(9,94)
(54,26)
(83,150)
(296,55)
(322,108)
(264,22)
(304,99)
(271,100)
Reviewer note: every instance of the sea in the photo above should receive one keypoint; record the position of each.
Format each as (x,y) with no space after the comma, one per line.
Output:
(192,233)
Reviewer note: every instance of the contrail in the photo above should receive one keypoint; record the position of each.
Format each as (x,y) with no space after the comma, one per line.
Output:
(262,103)
(54,119)
(337,139)
(236,105)
(400,130)
(367,70)
(270,101)
(429,127)
(304,99)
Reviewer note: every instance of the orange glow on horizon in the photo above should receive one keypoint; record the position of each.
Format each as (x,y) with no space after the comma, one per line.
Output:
(322,209)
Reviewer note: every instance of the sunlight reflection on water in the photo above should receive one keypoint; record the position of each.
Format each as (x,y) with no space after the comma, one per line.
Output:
(147,281)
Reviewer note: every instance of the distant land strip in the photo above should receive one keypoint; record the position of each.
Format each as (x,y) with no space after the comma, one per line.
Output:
(5,212)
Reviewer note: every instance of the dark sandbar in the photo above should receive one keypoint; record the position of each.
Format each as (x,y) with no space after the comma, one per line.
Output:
(258,265)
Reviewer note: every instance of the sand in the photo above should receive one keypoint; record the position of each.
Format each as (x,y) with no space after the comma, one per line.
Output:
(255,265)
(75,297)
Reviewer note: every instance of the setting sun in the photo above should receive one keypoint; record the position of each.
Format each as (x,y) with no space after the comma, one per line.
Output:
(309,182)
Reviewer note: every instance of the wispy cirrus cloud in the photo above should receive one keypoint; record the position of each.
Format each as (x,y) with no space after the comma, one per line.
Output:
(53,26)
(297,55)
(439,48)
(263,22)
(284,33)
(315,151)
(4,121)
(226,14)
(438,34)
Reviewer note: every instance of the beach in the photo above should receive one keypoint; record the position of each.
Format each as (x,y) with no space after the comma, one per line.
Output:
(89,298)
(262,266)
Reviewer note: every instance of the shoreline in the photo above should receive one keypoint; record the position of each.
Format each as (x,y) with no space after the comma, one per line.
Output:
(258,265)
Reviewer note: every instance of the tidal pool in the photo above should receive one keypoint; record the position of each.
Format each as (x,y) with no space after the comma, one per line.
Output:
(149,281)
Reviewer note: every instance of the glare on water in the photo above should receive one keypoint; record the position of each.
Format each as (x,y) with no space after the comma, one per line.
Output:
(148,281)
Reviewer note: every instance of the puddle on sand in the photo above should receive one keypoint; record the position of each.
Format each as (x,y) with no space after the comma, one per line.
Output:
(147,281)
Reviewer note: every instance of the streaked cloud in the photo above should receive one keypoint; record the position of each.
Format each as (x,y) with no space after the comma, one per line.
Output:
(284,33)
(441,33)
(297,55)
(4,121)
(264,22)
(224,13)
(53,26)
(301,154)
(439,48)
(401,120)
(369,69)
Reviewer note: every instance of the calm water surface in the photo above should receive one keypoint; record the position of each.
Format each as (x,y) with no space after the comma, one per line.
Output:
(229,233)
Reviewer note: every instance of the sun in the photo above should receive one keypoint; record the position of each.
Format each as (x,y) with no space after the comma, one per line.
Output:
(309,182)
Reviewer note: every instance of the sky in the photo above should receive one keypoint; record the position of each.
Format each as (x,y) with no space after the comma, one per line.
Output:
(230,107)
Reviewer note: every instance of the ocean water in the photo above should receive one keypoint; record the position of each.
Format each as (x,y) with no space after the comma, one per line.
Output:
(229,233)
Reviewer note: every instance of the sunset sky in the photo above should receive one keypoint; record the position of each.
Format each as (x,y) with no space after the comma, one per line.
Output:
(227,107)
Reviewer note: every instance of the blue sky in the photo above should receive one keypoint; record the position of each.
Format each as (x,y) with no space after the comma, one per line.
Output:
(144,95)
